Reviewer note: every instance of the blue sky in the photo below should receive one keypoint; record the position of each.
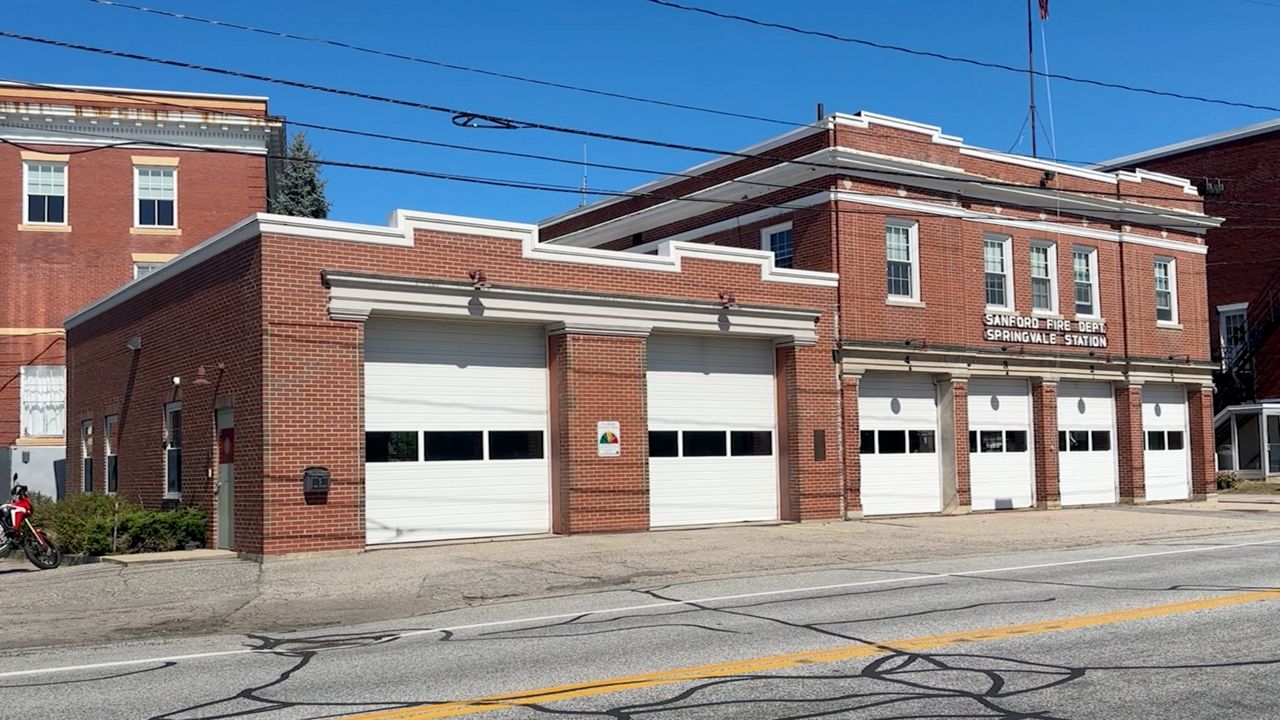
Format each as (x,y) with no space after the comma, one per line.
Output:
(1224,48)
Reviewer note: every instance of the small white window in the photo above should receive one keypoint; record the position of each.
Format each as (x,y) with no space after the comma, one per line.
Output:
(777,239)
(1233,325)
(1084,264)
(1166,291)
(997,271)
(45,185)
(110,445)
(43,400)
(156,190)
(143,269)
(901,249)
(1044,277)
(173,450)
(86,454)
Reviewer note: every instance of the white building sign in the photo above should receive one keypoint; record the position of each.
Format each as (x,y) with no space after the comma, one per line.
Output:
(1044,331)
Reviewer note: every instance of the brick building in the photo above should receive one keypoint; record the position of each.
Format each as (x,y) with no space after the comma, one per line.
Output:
(95,198)
(1236,172)
(862,317)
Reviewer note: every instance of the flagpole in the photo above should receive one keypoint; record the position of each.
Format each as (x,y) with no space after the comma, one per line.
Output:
(1031,79)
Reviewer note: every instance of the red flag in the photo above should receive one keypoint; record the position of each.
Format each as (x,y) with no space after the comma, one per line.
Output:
(1044,9)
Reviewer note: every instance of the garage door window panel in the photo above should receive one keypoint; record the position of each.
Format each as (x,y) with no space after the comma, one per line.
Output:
(1155,440)
(893,442)
(1078,441)
(992,441)
(1015,441)
(921,441)
(515,445)
(391,446)
(1174,440)
(1101,440)
(750,442)
(454,446)
(868,442)
(664,443)
(703,443)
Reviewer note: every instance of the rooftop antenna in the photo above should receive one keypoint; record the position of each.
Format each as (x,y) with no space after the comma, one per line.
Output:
(1031,70)
(582,200)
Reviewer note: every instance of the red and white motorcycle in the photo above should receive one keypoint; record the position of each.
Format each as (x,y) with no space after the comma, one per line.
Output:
(16,530)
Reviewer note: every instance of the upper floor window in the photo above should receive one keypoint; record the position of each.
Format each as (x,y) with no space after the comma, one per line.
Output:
(1232,325)
(1044,277)
(156,189)
(1084,263)
(1166,291)
(46,193)
(901,248)
(43,400)
(997,271)
(143,269)
(777,239)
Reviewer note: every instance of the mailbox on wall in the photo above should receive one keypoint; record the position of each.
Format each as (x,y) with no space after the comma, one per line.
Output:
(315,479)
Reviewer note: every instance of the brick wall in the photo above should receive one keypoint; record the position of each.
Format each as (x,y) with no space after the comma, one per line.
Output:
(960,423)
(1044,418)
(1130,443)
(1203,458)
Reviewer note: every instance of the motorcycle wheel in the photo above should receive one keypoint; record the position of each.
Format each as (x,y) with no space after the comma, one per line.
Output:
(46,556)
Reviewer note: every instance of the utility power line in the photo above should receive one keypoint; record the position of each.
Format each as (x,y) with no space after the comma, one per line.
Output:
(958,58)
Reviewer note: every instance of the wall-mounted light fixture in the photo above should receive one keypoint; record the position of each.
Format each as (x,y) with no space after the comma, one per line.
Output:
(202,375)
(133,344)
(728,300)
(479,280)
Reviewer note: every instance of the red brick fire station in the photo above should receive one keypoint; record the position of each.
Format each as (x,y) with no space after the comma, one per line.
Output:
(862,317)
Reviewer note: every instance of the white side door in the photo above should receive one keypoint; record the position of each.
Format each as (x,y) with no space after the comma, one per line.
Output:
(898,422)
(1001,464)
(1166,459)
(1087,471)
(455,430)
(712,430)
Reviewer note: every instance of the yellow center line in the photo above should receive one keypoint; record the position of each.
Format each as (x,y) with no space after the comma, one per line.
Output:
(809,657)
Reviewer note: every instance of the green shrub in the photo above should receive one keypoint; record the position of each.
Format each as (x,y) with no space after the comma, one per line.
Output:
(83,523)
(1227,480)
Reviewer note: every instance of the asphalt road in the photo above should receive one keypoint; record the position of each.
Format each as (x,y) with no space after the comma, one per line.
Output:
(1168,629)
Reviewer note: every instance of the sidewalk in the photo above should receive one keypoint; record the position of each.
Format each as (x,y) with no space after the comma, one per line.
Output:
(103,602)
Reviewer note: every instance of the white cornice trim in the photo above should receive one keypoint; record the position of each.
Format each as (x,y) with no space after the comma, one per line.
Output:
(407,222)
(43,87)
(359,297)
(1038,164)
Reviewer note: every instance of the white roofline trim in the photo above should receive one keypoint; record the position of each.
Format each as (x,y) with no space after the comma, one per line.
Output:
(405,223)
(136,91)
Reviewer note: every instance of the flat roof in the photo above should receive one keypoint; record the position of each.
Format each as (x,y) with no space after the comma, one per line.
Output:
(1178,148)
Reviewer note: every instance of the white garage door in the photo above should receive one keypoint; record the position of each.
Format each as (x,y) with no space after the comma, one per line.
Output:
(898,420)
(1001,469)
(712,456)
(1086,443)
(455,430)
(1167,459)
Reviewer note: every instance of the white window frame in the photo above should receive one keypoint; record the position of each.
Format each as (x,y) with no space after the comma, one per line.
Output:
(1092,253)
(66,192)
(110,426)
(139,265)
(136,198)
(913,244)
(1006,249)
(1172,322)
(25,429)
(169,409)
(86,455)
(1241,309)
(766,240)
(1051,249)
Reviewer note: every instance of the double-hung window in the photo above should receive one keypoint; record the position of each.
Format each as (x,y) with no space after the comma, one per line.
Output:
(156,190)
(901,249)
(86,454)
(46,193)
(1084,265)
(143,269)
(1234,331)
(110,449)
(43,400)
(1166,291)
(777,239)
(1044,277)
(173,450)
(997,271)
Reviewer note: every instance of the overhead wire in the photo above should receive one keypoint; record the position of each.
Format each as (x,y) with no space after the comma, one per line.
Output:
(959,59)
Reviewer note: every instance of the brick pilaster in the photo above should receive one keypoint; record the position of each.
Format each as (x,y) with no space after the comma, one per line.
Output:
(1200,423)
(595,378)
(960,444)
(1130,443)
(1044,413)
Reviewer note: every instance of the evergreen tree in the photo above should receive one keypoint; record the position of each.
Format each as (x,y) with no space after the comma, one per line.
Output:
(299,187)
